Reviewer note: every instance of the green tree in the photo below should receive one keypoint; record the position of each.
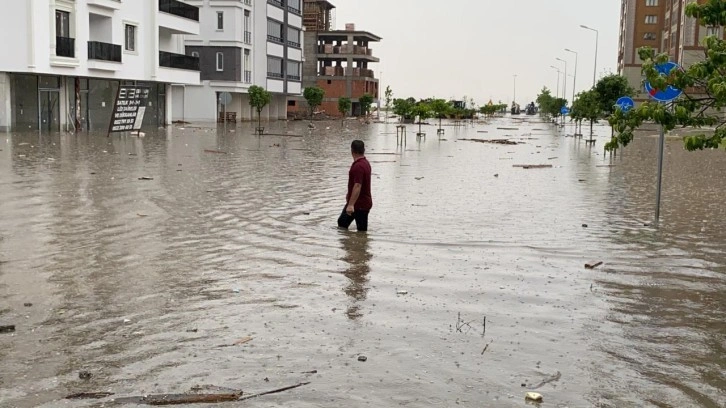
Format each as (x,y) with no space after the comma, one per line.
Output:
(440,109)
(423,111)
(344,105)
(609,89)
(404,108)
(314,96)
(587,107)
(365,104)
(259,98)
(389,98)
(704,93)
(545,101)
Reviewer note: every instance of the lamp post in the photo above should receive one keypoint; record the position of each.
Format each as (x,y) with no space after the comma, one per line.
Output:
(558,79)
(514,99)
(574,80)
(597,37)
(564,85)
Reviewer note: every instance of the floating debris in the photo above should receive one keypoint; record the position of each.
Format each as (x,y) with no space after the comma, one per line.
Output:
(534,166)
(533,396)
(493,141)
(593,264)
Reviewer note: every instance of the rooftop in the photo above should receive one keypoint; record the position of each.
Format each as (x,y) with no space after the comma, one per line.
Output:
(342,35)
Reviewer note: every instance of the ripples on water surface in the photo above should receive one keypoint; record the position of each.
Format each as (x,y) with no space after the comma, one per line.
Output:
(243,244)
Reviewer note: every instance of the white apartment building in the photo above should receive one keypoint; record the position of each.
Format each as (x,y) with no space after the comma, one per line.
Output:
(63,60)
(243,43)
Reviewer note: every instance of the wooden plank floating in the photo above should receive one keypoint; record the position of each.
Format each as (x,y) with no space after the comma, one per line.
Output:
(534,166)
(507,128)
(593,264)
(493,141)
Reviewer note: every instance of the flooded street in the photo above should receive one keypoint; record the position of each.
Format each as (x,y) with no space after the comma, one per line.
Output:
(470,284)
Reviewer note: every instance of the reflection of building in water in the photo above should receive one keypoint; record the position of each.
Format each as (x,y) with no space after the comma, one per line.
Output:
(65,74)
(357,256)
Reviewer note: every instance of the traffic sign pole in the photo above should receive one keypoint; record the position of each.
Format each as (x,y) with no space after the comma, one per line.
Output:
(665,96)
(661,153)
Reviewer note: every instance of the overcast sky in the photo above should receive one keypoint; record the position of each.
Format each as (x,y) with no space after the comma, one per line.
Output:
(452,48)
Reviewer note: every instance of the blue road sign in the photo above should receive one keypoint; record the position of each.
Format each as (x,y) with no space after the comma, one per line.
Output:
(565,110)
(668,94)
(625,103)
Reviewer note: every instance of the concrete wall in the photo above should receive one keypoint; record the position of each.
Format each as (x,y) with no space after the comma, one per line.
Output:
(5,102)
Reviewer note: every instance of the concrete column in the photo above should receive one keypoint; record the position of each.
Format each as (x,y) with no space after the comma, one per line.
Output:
(64,105)
(168,94)
(6,101)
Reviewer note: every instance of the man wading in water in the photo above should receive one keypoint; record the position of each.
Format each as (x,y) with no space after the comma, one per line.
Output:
(359,200)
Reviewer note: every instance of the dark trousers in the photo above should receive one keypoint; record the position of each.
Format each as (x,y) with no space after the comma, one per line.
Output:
(359,216)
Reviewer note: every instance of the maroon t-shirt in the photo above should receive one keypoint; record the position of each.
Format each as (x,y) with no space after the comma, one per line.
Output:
(360,173)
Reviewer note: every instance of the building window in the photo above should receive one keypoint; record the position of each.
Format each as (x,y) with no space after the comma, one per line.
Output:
(649,36)
(651,19)
(651,2)
(274,31)
(293,70)
(220,20)
(274,67)
(294,6)
(130,34)
(220,61)
(713,31)
(291,103)
(62,24)
(293,37)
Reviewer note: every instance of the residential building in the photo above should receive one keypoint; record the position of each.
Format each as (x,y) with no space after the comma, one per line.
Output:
(65,60)
(662,25)
(338,61)
(243,43)
(641,25)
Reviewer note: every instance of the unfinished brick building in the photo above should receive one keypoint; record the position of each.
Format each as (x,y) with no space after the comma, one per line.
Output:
(335,60)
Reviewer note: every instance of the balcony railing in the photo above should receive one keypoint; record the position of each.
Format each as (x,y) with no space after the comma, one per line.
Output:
(293,44)
(344,49)
(276,2)
(179,9)
(293,77)
(293,9)
(248,37)
(104,51)
(171,60)
(248,77)
(274,74)
(275,39)
(248,2)
(65,47)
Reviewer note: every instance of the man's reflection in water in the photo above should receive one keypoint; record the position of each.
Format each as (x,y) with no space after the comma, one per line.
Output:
(357,256)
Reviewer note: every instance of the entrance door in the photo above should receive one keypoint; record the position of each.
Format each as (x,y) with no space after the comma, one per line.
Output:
(49,108)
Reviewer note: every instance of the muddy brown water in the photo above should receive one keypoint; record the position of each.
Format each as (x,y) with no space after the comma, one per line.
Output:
(143,282)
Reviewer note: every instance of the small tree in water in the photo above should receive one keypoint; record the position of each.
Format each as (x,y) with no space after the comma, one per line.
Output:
(440,109)
(314,96)
(344,105)
(423,111)
(389,98)
(365,104)
(259,98)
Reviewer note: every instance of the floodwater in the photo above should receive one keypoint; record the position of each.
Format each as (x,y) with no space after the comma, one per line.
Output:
(470,284)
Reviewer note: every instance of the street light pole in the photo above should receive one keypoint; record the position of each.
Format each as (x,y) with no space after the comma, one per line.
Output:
(597,40)
(574,80)
(558,79)
(514,99)
(564,85)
